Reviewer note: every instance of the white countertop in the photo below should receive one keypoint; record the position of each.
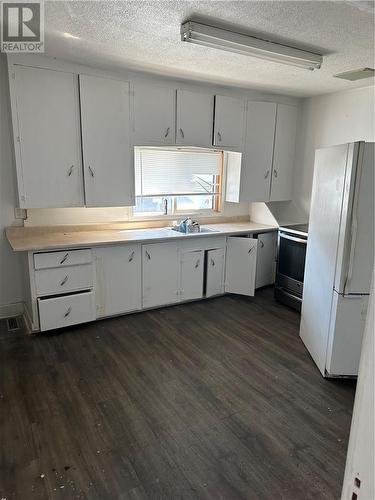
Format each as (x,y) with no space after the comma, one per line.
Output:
(53,238)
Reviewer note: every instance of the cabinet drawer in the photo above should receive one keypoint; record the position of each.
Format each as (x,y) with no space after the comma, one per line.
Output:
(65,279)
(73,309)
(59,259)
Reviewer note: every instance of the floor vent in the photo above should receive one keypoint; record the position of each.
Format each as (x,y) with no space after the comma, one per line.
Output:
(13,324)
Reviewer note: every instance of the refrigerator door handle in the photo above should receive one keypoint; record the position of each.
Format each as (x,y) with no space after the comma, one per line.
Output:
(354,222)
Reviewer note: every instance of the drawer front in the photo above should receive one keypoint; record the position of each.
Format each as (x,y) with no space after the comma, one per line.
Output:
(59,259)
(67,310)
(62,280)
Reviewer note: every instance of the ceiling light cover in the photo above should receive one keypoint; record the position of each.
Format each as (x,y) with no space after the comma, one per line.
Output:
(356,74)
(218,38)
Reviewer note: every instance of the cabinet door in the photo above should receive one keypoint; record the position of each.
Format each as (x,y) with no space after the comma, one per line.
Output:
(195,114)
(108,164)
(284,151)
(256,168)
(240,264)
(191,267)
(118,279)
(215,272)
(50,170)
(154,115)
(160,274)
(229,122)
(266,259)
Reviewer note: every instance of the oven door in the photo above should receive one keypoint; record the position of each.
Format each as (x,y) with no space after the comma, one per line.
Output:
(291,262)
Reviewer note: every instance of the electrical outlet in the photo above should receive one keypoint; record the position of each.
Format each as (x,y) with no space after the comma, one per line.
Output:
(20,213)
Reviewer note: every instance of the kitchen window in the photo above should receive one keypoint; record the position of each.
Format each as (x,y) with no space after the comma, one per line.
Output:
(170,181)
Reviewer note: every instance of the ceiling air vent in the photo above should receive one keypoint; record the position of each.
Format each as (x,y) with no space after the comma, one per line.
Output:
(356,74)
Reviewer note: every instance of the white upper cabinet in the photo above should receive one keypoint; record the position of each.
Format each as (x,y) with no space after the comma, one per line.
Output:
(266,170)
(108,164)
(229,122)
(160,274)
(194,118)
(191,274)
(240,265)
(154,115)
(46,120)
(118,279)
(284,151)
(256,169)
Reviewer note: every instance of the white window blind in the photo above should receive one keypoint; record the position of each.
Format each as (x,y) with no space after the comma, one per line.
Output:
(163,172)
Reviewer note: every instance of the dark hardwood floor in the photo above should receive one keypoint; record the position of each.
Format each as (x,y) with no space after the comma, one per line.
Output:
(208,400)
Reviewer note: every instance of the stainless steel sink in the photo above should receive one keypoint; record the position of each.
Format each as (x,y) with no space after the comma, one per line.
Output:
(201,230)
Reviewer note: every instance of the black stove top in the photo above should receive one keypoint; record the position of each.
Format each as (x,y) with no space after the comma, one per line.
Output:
(295,228)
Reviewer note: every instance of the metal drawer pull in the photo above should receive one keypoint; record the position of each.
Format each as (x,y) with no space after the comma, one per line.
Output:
(275,173)
(219,136)
(261,244)
(182,133)
(166,132)
(91,172)
(68,311)
(64,258)
(64,280)
(197,264)
(267,174)
(148,255)
(70,171)
(131,257)
(212,262)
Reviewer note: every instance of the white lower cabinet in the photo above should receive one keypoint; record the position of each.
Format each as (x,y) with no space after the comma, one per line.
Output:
(70,287)
(240,265)
(215,272)
(67,310)
(160,274)
(191,274)
(266,259)
(118,279)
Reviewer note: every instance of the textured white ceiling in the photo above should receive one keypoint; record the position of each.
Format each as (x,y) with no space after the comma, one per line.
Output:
(145,35)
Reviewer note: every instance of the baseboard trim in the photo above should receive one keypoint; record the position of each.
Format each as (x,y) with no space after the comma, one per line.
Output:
(9,310)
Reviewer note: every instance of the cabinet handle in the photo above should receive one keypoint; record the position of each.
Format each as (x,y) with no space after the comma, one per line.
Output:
(148,255)
(64,258)
(70,170)
(275,173)
(261,244)
(68,311)
(212,262)
(167,132)
(131,257)
(197,264)
(182,133)
(64,280)
(91,172)
(219,136)
(267,174)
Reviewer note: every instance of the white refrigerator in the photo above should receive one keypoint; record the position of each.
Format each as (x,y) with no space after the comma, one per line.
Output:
(339,257)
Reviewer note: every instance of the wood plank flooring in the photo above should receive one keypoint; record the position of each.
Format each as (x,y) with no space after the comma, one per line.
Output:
(208,400)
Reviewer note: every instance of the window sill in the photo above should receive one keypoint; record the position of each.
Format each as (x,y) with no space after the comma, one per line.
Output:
(179,215)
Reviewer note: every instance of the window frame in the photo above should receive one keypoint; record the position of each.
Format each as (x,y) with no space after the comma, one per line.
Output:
(211,212)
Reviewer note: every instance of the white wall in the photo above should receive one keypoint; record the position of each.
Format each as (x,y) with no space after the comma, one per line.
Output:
(11,290)
(360,459)
(327,120)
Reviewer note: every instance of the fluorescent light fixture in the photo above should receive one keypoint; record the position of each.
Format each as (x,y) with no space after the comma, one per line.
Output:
(223,39)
